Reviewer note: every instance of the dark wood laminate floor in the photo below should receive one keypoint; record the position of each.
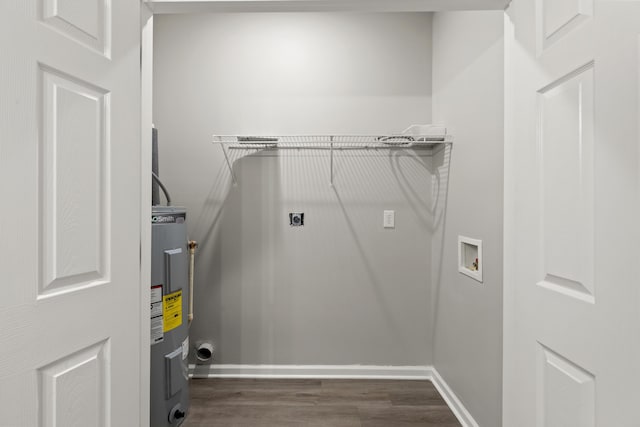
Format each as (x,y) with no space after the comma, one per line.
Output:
(316,403)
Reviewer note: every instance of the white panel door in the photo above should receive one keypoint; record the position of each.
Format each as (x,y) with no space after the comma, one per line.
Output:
(572,301)
(70,341)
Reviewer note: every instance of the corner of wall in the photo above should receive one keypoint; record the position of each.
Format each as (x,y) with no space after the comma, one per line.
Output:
(468,88)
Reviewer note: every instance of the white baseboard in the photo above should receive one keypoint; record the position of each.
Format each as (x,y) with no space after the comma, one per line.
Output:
(362,372)
(452,400)
(312,371)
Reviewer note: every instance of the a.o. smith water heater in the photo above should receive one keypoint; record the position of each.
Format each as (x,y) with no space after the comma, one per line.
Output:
(169,310)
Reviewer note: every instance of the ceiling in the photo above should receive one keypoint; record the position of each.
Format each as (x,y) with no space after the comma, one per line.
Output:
(195,6)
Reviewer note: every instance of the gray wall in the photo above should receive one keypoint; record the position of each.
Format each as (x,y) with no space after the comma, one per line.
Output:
(341,290)
(468,81)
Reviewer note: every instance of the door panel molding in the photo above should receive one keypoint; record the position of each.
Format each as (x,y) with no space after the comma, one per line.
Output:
(566,391)
(557,18)
(75,390)
(74,195)
(566,143)
(87,22)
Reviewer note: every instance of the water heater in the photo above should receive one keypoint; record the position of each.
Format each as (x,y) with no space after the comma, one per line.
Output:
(169,310)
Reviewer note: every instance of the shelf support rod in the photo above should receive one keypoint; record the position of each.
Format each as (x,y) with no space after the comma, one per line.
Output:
(331,163)
(226,157)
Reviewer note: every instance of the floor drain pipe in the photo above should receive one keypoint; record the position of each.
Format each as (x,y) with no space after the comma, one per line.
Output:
(204,351)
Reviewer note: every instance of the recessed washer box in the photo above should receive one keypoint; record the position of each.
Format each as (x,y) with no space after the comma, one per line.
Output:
(470,257)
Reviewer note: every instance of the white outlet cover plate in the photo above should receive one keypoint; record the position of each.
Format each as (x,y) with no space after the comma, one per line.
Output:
(389,219)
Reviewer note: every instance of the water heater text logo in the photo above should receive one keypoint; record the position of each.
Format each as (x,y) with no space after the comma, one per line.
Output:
(162,219)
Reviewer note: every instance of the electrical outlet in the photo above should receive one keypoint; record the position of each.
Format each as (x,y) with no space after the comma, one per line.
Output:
(296,219)
(389,219)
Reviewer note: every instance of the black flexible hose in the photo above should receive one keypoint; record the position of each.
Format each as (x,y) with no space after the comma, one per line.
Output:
(164,189)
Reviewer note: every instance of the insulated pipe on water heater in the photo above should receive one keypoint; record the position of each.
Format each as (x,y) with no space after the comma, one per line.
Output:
(192,251)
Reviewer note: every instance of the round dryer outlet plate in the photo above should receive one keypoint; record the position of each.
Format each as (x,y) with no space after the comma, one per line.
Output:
(296,219)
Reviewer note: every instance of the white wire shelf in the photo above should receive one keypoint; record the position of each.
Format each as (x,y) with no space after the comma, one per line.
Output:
(434,140)
(335,142)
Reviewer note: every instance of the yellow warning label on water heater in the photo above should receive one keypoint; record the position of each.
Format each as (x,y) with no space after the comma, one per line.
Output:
(172,310)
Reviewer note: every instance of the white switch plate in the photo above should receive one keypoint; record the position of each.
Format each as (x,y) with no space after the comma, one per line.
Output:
(389,219)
